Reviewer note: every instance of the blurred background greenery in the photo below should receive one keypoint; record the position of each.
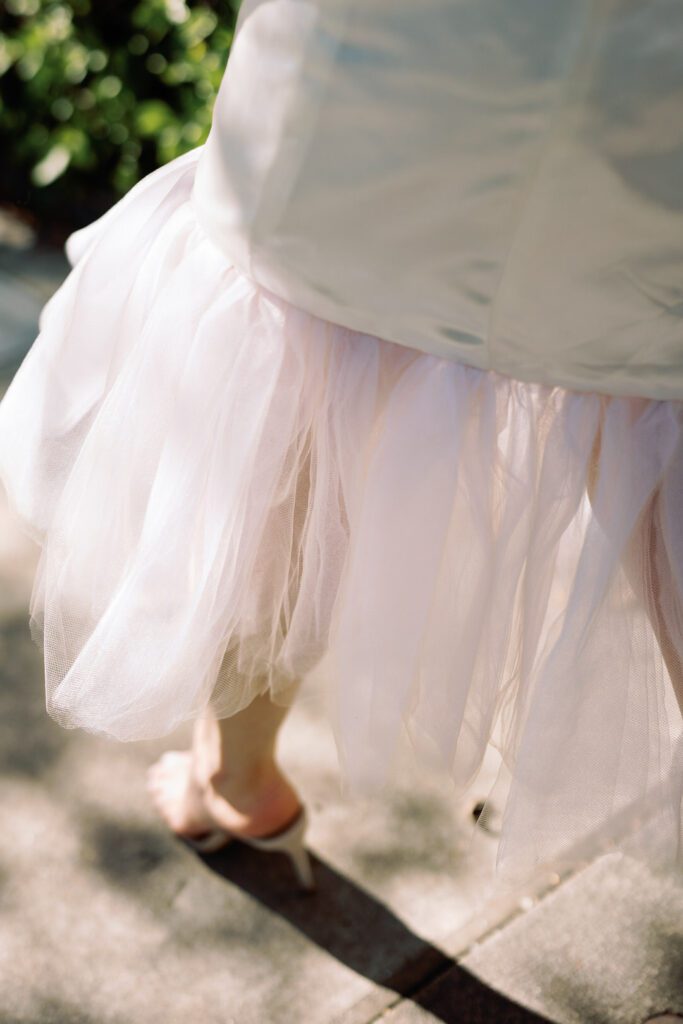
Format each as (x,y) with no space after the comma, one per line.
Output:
(94,94)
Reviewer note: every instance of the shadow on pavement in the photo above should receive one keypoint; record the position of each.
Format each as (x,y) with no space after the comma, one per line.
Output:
(364,935)
(54,1011)
(341,918)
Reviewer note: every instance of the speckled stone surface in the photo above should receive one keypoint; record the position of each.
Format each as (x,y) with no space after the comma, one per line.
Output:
(606,947)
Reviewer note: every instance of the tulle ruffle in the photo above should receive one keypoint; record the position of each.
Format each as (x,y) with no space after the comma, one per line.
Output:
(227,489)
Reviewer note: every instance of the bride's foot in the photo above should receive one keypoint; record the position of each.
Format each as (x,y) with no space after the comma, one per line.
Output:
(192,800)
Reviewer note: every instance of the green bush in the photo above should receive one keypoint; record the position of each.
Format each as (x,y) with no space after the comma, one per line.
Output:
(94,94)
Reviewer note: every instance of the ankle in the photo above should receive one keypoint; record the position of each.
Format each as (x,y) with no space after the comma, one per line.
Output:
(242,786)
(222,768)
(256,803)
(245,780)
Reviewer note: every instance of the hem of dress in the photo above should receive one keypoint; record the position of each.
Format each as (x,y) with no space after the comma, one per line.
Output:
(362,324)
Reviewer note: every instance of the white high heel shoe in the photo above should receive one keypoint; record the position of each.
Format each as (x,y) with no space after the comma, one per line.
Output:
(289,841)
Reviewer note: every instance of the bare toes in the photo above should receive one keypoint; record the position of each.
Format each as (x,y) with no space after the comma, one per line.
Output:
(175,797)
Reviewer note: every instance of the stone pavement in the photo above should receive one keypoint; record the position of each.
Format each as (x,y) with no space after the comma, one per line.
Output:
(28,276)
(105,917)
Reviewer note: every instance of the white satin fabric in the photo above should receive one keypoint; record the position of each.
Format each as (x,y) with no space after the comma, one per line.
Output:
(494,181)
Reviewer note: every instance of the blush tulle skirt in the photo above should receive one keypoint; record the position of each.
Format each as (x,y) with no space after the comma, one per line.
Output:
(228,490)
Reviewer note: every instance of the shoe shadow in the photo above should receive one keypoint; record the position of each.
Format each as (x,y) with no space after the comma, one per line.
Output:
(363,934)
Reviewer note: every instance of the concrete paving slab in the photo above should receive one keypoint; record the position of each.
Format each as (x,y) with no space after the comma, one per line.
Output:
(606,947)
(460,997)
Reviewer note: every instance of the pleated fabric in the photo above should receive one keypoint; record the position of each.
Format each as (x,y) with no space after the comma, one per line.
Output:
(228,489)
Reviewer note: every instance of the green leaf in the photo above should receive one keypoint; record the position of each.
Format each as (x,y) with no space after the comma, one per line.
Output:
(151,116)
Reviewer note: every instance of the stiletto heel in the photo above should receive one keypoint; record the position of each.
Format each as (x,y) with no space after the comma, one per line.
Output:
(303,868)
(290,841)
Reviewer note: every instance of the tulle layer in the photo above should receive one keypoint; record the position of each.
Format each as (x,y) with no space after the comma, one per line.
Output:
(227,488)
